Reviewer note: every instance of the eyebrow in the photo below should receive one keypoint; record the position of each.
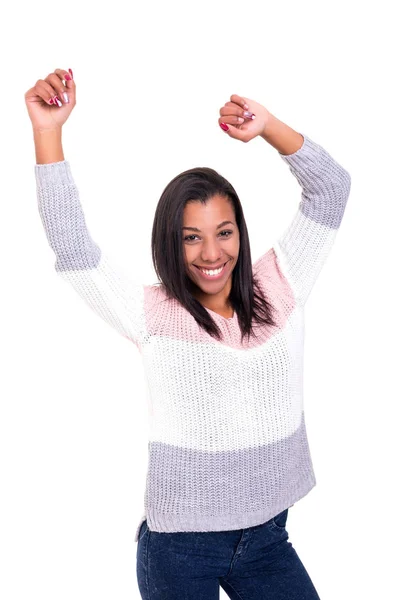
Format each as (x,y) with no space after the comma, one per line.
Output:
(218,226)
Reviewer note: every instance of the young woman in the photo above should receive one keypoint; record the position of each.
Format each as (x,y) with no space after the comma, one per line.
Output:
(222,344)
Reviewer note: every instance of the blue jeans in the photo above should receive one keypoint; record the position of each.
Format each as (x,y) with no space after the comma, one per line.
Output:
(255,563)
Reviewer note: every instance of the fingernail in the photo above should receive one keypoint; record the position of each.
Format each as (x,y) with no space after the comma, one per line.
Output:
(65,96)
(51,101)
(57,101)
(72,75)
(245,106)
(68,77)
(224,126)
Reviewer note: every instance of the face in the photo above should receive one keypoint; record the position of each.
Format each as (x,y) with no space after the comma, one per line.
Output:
(210,240)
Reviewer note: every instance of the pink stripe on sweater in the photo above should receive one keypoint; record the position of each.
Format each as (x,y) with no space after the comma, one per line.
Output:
(168,318)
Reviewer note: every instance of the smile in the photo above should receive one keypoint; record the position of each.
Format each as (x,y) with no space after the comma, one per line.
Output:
(212,273)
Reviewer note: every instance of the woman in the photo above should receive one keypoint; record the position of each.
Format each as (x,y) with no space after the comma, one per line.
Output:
(222,345)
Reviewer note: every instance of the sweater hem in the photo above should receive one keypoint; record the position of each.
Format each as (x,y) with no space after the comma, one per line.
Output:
(172,523)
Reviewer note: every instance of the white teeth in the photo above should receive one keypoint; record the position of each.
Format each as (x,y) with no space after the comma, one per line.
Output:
(214,272)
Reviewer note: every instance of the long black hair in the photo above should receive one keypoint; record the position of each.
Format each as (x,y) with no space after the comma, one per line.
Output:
(246,297)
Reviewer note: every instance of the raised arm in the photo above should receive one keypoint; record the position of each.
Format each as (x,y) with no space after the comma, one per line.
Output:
(79,260)
(303,247)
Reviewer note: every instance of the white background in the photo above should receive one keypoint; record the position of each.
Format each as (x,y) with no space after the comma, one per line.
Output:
(151,78)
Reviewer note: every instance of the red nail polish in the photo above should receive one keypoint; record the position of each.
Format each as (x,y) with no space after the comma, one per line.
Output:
(51,101)
(224,126)
(72,75)
(68,77)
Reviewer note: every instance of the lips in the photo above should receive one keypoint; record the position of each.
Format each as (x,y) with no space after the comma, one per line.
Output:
(213,277)
(212,268)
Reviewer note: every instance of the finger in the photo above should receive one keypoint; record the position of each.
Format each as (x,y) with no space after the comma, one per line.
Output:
(234,105)
(56,82)
(231,119)
(234,132)
(234,110)
(65,76)
(238,100)
(45,91)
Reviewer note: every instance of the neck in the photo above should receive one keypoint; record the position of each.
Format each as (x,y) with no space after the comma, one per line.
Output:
(217,302)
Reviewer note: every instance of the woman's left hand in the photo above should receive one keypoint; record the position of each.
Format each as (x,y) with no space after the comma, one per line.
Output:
(241,126)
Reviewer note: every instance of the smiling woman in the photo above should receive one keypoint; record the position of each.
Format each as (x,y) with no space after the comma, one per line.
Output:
(203,202)
(212,256)
(228,448)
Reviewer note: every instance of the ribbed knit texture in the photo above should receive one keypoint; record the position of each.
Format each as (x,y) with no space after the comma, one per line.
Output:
(228,445)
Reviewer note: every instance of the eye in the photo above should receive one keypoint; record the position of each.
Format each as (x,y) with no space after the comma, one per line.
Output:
(226,231)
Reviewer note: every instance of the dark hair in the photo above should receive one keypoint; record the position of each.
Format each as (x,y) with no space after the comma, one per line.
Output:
(246,297)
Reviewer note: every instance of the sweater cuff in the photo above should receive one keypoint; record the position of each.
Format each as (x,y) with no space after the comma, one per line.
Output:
(53,174)
(312,164)
(306,154)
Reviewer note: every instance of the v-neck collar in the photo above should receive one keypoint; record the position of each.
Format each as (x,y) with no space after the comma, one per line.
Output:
(230,319)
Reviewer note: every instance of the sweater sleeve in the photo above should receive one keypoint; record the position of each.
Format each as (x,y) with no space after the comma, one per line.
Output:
(79,260)
(304,246)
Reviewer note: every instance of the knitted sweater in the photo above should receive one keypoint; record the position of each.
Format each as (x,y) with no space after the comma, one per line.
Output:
(227,444)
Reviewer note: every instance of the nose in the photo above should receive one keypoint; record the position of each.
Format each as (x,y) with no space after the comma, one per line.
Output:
(211,252)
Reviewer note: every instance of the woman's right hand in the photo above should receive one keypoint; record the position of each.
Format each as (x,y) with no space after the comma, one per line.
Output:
(44,114)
